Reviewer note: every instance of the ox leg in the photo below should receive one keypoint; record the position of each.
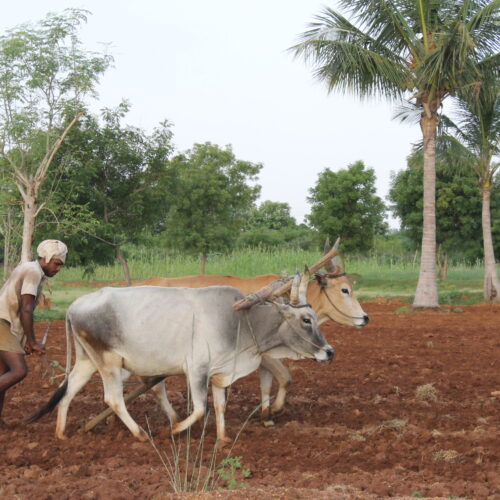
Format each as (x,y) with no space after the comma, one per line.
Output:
(282,375)
(199,392)
(266,382)
(80,374)
(160,392)
(219,394)
(113,393)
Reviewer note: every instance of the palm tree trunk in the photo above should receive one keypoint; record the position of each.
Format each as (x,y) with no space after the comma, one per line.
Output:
(426,294)
(491,282)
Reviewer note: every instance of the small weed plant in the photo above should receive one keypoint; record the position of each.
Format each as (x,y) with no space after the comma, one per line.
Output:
(232,472)
(191,469)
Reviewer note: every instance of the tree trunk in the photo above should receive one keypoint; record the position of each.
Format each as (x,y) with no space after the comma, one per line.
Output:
(426,294)
(6,244)
(123,261)
(203,264)
(491,282)
(29,187)
(29,210)
(444,270)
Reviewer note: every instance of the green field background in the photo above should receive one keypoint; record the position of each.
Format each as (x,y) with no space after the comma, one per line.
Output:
(373,276)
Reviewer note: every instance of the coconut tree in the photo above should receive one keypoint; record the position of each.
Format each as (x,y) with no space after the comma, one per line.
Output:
(474,142)
(423,51)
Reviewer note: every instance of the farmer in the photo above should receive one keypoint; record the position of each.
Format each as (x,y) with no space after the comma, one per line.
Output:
(18,299)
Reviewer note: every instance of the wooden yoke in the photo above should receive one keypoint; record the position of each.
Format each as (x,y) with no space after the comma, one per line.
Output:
(262,294)
(279,287)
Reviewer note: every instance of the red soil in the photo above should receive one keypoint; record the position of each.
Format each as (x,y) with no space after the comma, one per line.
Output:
(351,429)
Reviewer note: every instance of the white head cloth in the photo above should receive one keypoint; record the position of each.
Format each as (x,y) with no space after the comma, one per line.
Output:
(52,248)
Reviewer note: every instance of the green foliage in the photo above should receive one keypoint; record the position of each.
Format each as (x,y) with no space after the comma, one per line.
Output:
(45,77)
(111,182)
(344,204)
(387,49)
(293,237)
(231,471)
(458,206)
(271,225)
(270,215)
(210,199)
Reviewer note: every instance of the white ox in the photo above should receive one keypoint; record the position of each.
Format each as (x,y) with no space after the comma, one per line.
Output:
(155,331)
(330,294)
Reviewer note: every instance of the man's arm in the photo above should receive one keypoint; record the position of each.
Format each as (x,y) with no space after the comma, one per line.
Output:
(26,313)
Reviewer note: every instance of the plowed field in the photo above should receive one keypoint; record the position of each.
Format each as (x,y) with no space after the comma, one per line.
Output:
(409,406)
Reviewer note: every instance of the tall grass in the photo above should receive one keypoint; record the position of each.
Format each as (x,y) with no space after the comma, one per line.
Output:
(145,263)
(148,262)
(382,274)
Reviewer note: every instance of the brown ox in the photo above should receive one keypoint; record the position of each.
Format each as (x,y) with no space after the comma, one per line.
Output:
(330,295)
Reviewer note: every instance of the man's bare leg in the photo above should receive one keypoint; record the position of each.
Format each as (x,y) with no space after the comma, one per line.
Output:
(13,369)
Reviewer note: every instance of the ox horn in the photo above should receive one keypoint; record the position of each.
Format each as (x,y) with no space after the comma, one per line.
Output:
(304,283)
(279,287)
(295,291)
(331,265)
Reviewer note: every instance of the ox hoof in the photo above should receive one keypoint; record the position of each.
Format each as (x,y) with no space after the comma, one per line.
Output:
(62,437)
(268,423)
(223,442)
(176,429)
(142,436)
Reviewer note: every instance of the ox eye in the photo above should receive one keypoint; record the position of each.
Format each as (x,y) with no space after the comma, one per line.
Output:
(306,320)
(345,290)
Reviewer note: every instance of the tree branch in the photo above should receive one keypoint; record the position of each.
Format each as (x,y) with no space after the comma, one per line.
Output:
(47,160)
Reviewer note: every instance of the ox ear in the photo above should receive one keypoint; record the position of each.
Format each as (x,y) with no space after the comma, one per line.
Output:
(321,279)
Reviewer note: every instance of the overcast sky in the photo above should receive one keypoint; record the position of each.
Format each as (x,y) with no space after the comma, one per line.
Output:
(220,71)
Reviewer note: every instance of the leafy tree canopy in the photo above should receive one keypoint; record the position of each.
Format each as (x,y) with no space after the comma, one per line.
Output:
(45,76)
(111,185)
(458,206)
(344,204)
(270,215)
(212,198)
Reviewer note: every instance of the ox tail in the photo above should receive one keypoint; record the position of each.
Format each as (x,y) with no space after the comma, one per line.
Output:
(53,402)
(61,391)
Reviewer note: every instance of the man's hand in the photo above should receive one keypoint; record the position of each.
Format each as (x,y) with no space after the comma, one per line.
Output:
(33,346)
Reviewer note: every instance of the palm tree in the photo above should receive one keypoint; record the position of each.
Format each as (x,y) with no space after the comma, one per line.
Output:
(475,143)
(422,50)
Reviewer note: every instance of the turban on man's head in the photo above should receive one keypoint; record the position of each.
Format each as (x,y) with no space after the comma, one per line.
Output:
(52,248)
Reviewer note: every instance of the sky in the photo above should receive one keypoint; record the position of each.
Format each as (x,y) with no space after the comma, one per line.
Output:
(220,71)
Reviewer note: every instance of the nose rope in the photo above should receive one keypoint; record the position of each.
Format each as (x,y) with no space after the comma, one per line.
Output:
(337,309)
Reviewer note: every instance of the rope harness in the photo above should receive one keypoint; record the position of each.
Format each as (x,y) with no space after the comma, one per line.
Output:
(292,327)
(323,290)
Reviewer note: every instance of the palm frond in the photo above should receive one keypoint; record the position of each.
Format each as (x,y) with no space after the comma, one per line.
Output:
(349,59)
(407,112)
